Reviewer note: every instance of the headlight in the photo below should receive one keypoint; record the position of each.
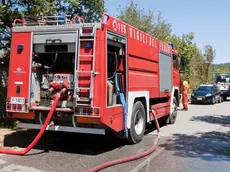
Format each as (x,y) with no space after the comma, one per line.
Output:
(208,95)
(192,94)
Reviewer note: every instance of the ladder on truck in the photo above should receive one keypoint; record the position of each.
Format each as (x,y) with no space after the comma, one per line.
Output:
(89,38)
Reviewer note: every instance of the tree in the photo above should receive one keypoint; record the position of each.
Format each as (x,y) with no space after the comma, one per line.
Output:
(148,22)
(8,11)
(91,10)
(209,55)
(187,49)
(196,69)
(154,24)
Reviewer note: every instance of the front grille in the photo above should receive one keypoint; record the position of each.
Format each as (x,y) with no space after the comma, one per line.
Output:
(199,96)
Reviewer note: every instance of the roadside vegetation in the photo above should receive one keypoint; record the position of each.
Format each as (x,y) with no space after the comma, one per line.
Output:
(199,60)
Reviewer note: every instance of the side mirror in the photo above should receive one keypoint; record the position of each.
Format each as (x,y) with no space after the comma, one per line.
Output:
(182,64)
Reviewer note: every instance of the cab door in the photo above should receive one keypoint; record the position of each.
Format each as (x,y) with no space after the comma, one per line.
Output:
(176,71)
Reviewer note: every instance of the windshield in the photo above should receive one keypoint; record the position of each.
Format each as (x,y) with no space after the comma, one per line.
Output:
(205,88)
(223,78)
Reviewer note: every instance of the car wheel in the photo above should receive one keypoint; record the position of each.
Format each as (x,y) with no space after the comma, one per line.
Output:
(138,123)
(220,99)
(213,101)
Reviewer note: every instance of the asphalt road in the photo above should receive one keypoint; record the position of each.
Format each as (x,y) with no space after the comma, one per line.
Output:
(198,141)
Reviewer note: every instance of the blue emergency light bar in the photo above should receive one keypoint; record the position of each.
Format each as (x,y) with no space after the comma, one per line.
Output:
(172,45)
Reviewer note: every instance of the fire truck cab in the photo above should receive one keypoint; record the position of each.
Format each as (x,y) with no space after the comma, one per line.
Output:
(115,76)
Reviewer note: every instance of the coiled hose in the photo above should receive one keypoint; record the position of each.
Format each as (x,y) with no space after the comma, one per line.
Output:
(134,157)
(41,132)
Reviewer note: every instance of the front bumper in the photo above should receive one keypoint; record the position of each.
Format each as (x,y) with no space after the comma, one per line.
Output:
(203,99)
(225,93)
(63,128)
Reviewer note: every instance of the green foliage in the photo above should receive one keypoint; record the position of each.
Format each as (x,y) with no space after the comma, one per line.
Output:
(7,123)
(209,55)
(8,12)
(221,68)
(91,10)
(193,58)
(198,65)
(37,7)
(148,22)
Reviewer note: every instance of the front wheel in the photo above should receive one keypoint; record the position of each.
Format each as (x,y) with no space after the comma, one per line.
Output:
(138,123)
(172,117)
(213,101)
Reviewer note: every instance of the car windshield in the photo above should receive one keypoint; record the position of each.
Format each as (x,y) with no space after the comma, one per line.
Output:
(205,88)
(223,78)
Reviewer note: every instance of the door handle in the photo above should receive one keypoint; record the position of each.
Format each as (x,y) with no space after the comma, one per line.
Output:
(166,91)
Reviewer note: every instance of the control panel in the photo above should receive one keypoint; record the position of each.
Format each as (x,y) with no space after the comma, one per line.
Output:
(56,80)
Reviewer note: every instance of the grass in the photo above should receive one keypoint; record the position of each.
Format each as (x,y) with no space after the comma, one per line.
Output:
(7,123)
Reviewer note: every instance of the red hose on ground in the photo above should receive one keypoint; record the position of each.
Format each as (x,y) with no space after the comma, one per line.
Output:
(131,158)
(41,132)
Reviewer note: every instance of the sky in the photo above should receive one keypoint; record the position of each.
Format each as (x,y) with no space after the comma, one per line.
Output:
(208,19)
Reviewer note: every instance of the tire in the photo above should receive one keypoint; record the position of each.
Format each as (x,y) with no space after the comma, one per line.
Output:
(135,134)
(172,117)
(213,101)
(220,99)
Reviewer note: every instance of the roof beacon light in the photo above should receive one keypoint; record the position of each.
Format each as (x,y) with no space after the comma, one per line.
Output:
(172,45)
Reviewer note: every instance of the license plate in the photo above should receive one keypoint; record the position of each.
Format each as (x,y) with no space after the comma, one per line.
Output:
(199,98)
(17,100)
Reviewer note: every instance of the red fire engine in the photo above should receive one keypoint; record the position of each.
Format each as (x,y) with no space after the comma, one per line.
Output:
(114,75)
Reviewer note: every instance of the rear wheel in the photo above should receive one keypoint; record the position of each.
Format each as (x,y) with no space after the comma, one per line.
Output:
(172,117)
(220,99)
(138,123)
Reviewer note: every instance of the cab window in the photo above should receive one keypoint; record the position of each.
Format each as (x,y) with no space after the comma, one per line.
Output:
(175,62)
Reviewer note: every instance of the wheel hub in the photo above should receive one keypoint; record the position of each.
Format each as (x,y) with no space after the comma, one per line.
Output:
(138,122)
(174,109)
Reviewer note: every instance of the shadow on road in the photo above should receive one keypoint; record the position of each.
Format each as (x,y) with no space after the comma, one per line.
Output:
(85,144)
(209,146)
(152,127)
(223,120)
(64,142)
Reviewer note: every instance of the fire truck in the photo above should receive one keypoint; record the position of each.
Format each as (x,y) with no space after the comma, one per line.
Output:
(114,74)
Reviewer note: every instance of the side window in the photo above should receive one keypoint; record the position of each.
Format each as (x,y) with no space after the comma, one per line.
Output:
(175,62)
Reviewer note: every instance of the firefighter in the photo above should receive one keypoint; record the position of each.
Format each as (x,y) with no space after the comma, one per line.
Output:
(185,95)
